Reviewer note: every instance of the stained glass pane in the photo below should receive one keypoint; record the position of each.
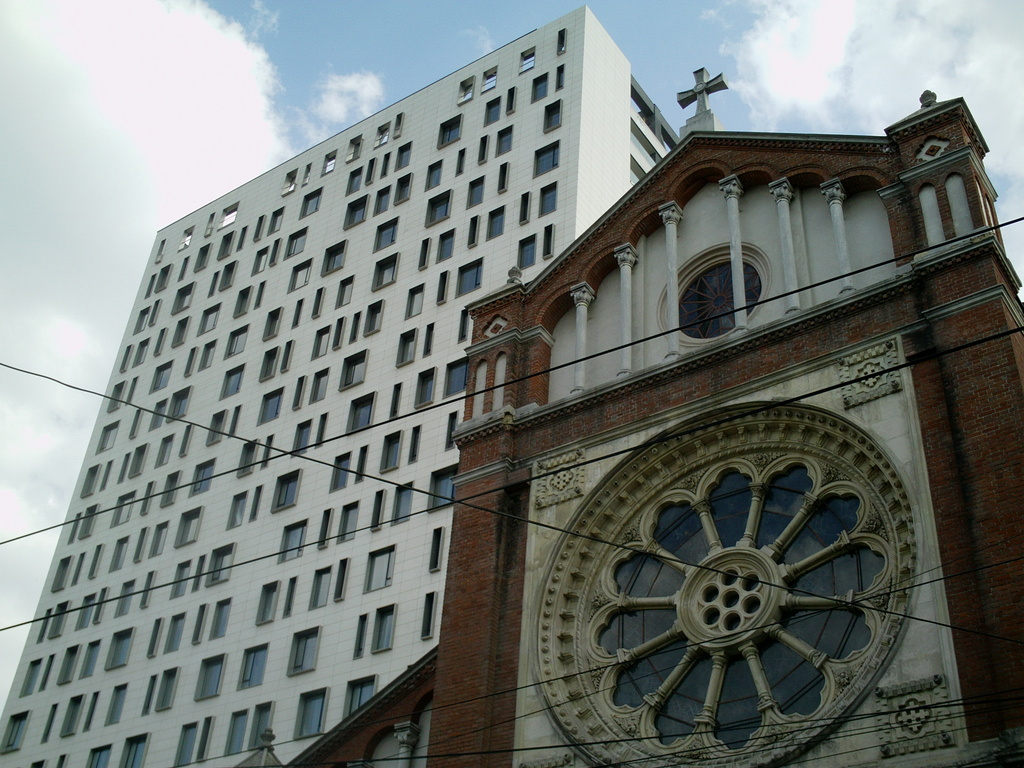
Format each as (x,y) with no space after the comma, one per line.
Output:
(795,684)
(783,500)
(823,527)
(679,531)
(646,576)
(737,708)
(730,503)
(631,628)
(837,634)
(705,308)
(676,717)
(645,676)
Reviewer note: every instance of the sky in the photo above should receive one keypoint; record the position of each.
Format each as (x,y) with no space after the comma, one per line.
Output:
(122,116)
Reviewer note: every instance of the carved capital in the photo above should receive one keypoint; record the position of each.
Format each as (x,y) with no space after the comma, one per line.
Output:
(781,190)
(625,255)
(407,734)
(731,186)
(834,192)
(670,213)
(582,294)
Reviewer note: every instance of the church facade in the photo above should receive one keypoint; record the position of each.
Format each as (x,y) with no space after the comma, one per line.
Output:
(784,532)
(780,529)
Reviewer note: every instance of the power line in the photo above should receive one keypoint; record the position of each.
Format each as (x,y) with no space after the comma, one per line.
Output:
(454,400)
(743,414)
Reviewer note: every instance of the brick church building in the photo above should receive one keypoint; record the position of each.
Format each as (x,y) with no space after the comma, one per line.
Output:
(740,477)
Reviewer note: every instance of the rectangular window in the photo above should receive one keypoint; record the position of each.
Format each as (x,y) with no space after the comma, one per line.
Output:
(286,491)
(353,370)
(527,252)
(402,505)
(469,277)
(385,271)
(304,650)
(329,162)
(270,408)
(427,623)
(527,60)
(267,607)
(354,147)
(503,177)
(311,203)
(540,87)
(504,142)
(116,708)
(446,245)
(339,475)
(211,672)
(383,629)
(438,208)
(424,388)
(548,199)
(387,234)
(403,188)
(382,201)
(300,275)
(442,488)
(181,576)
(120,648)
(380,569)
(495,223)
(202,477)
(455,377)
(481,152)
(186,744)
(391,451)
(309,720)
(383,134)
(356,212)
(359,692)
(321,588)
(492,111)
(553,115)
(374,317)
(436,541)
(254,664)
(220,564)
(545,159)
(360,413)
(221,614)
(449,131)
(188,527)
(292,539)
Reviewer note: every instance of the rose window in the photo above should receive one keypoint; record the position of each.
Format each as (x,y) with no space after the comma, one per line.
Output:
(752,600)
(705,307)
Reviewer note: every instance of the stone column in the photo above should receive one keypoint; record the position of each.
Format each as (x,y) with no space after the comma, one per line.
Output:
(625,256)
(670,215)
(835,195)
(582,295)
(407,734)
(733,189)
(782,191)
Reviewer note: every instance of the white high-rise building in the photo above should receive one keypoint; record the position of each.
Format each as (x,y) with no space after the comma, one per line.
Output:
(253,540)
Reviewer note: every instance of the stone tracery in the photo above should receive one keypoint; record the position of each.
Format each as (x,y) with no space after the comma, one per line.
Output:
(741,618)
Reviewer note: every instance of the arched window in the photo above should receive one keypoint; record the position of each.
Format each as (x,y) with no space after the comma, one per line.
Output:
(706,304)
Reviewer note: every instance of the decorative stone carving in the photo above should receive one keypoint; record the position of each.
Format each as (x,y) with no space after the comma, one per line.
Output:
(698,626)
(931,149)
(869,374)
(496,326)
(547,762)
(560,486)
(911,717)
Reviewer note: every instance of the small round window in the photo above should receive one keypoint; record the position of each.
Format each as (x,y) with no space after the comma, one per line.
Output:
(706,305)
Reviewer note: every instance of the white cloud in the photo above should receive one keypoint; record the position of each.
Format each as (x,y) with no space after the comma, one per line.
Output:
(346,99)
(119,117)
(482,38)
(263,21)
(341,101)
(856,68)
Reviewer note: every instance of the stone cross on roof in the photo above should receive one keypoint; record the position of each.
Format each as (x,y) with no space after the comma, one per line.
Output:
(699,92)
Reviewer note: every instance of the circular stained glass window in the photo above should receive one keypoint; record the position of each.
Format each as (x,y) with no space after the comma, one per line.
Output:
(706,305)
(752,599)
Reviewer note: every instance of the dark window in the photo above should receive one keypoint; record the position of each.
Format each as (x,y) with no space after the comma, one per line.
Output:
(450,131)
